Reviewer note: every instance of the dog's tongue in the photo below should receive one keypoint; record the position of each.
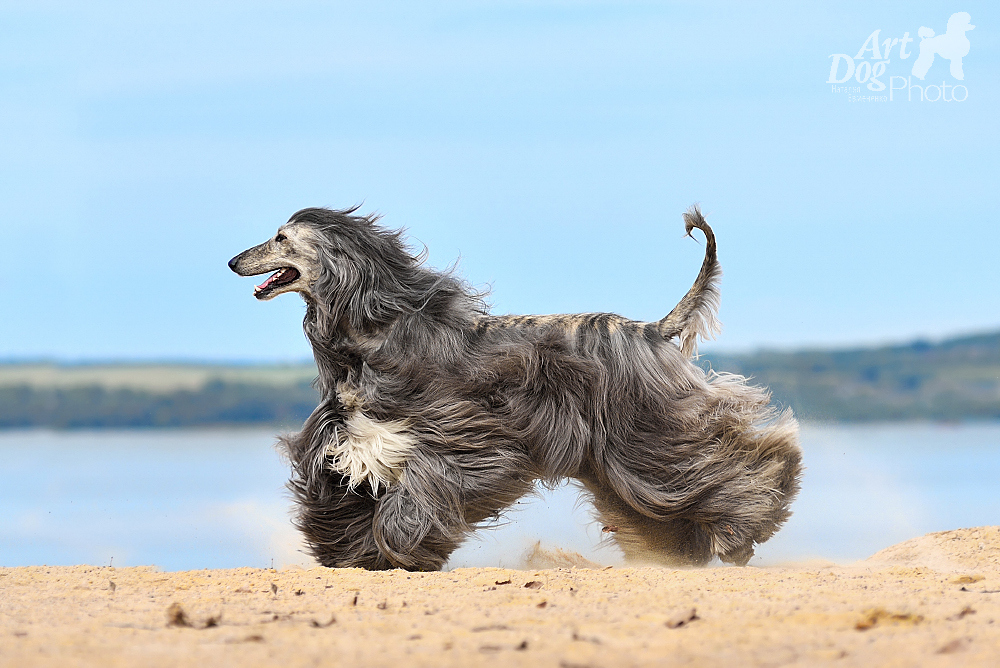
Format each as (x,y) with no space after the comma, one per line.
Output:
(270,279)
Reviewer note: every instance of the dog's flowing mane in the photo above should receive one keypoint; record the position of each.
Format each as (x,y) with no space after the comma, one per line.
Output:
(374,280)
(372,288)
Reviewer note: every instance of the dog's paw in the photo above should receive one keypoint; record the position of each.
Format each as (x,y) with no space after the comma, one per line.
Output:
(740,556)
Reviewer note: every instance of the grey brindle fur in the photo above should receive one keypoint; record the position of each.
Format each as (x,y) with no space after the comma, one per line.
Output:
(435,415)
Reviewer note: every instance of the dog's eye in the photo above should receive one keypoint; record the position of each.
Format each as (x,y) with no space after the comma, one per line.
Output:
(280,237)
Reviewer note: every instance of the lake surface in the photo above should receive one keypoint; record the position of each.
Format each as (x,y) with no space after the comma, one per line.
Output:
(216,499)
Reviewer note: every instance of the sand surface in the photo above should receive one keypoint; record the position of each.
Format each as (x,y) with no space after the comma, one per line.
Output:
(934,600)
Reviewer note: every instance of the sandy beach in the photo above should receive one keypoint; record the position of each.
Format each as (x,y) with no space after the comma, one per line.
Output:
(933,600)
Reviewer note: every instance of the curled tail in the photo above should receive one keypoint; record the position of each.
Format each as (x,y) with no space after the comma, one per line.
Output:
(695,314)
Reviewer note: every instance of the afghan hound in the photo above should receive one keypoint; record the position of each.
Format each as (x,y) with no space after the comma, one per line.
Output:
(435,415)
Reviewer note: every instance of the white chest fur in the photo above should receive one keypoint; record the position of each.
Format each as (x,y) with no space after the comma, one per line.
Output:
(367,449)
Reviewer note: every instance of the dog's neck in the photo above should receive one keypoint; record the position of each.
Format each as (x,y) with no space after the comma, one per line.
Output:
(339,352)
(344,354)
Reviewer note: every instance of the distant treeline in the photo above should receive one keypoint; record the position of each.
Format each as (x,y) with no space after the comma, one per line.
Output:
(954,380)
(216,403)
(958,379)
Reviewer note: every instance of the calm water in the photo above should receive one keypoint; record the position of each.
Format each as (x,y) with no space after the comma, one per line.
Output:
(216,499)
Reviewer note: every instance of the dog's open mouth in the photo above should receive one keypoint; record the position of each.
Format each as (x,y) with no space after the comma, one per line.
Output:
(283,276)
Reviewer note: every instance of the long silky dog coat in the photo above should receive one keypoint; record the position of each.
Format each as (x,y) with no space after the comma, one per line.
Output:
(436,415)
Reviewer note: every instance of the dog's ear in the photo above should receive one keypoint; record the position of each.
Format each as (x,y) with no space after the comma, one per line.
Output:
(365,279)
(336,288)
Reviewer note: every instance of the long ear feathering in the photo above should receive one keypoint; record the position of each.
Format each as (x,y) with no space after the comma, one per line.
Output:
(369,277)
(696,315)
(339,288)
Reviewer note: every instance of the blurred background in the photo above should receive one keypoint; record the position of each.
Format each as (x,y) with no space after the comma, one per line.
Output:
(549,148)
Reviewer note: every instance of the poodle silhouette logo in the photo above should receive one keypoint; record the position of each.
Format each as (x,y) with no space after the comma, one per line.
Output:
(871,63)
(953,45)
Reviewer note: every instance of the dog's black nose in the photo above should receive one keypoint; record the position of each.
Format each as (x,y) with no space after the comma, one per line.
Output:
(232,263)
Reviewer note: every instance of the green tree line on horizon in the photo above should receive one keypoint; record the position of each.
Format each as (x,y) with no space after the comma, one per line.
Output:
(217,403)
(958,379)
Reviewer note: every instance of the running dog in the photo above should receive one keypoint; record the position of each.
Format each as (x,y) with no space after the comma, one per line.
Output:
(435,416)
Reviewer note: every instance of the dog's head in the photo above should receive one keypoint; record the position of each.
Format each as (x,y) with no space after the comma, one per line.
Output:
(960,22)
(348,266)
(291,254)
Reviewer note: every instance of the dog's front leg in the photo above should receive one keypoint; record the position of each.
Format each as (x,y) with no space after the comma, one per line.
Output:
(407,535)
(956,69)
(420,521)
(336,522)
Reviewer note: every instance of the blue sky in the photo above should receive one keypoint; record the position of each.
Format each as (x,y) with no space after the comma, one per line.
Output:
(551,146)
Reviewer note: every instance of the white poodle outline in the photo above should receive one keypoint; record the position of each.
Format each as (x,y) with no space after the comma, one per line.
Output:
(953,45)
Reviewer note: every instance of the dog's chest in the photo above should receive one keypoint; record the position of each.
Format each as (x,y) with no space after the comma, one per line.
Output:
(365,448)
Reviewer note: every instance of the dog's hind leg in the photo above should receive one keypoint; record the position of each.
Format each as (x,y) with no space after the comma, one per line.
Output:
(716,493)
